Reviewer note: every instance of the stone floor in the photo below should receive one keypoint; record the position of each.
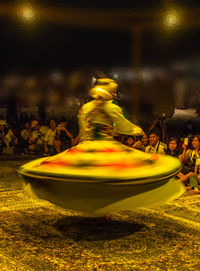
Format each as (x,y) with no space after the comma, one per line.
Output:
(37,235)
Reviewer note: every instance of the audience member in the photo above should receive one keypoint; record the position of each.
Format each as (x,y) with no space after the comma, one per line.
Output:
(2,134)
(8,140)
(24,138)
(49,137)
(145,140)
(195,179)
(63,139)
(36,139)
(155,145)
(190,155)
(189,158)
(135,143)
(130,141)
(54,139)
(173,148)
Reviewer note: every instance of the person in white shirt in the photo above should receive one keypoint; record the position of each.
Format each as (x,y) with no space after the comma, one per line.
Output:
(191,163)
(36,138)
(49,137)
(8,141)
(155,145)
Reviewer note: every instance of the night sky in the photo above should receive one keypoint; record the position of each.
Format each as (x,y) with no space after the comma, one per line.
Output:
(52,45)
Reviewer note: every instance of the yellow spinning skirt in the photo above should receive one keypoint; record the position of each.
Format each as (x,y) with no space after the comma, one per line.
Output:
(103,176)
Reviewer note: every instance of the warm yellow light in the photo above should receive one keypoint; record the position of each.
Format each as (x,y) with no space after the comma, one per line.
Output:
(172,19)
(27,13)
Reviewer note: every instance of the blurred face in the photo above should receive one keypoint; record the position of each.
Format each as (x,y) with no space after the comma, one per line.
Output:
(63,124)
(37,127)
(172,145)
(52,124)
(27,125)
(2,127)
(195,142)
(130,141)
(145,140)
(153,139)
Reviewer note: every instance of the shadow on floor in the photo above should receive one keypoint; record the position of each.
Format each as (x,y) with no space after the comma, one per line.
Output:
(95,229)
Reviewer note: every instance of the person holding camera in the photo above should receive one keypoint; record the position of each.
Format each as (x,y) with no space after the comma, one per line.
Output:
(49,137)
(63,138)
(36,138)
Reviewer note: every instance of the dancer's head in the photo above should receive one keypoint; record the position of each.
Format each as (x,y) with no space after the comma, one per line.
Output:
(105,89)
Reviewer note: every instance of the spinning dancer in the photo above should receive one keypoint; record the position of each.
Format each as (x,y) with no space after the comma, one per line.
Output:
(101,175)
(100,118)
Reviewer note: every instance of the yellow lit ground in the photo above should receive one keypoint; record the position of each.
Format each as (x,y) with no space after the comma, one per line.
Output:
(36,235)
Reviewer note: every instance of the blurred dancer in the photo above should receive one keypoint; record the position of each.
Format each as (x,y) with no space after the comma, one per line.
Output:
(100,118)
(100,175)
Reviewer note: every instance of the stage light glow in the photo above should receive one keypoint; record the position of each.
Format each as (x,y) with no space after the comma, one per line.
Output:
(172,19)
(27,13)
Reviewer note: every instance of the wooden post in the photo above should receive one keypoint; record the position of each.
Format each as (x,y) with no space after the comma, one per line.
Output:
(136,65)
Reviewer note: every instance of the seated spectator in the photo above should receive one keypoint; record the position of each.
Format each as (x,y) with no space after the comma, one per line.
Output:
(36,139)
(130,141)
(189,158)
(2,134)
(24,138)
(195,179)
(197,164)
(135,143)
(8,141)
(155,145)
(173,148)
(63,139)
(194,187)
(145,140)
(49,137)
(142,143)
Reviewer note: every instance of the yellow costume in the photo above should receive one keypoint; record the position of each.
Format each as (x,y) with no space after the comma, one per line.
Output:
(101,175)
(106,119)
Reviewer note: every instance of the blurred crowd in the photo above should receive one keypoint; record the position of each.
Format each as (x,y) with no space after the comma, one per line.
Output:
(30,137)
(187,150)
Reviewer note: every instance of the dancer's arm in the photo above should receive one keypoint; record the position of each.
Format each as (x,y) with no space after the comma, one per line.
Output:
(122,125)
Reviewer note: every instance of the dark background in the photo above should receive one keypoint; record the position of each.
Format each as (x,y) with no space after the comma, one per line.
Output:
(54,45)
(29,53)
